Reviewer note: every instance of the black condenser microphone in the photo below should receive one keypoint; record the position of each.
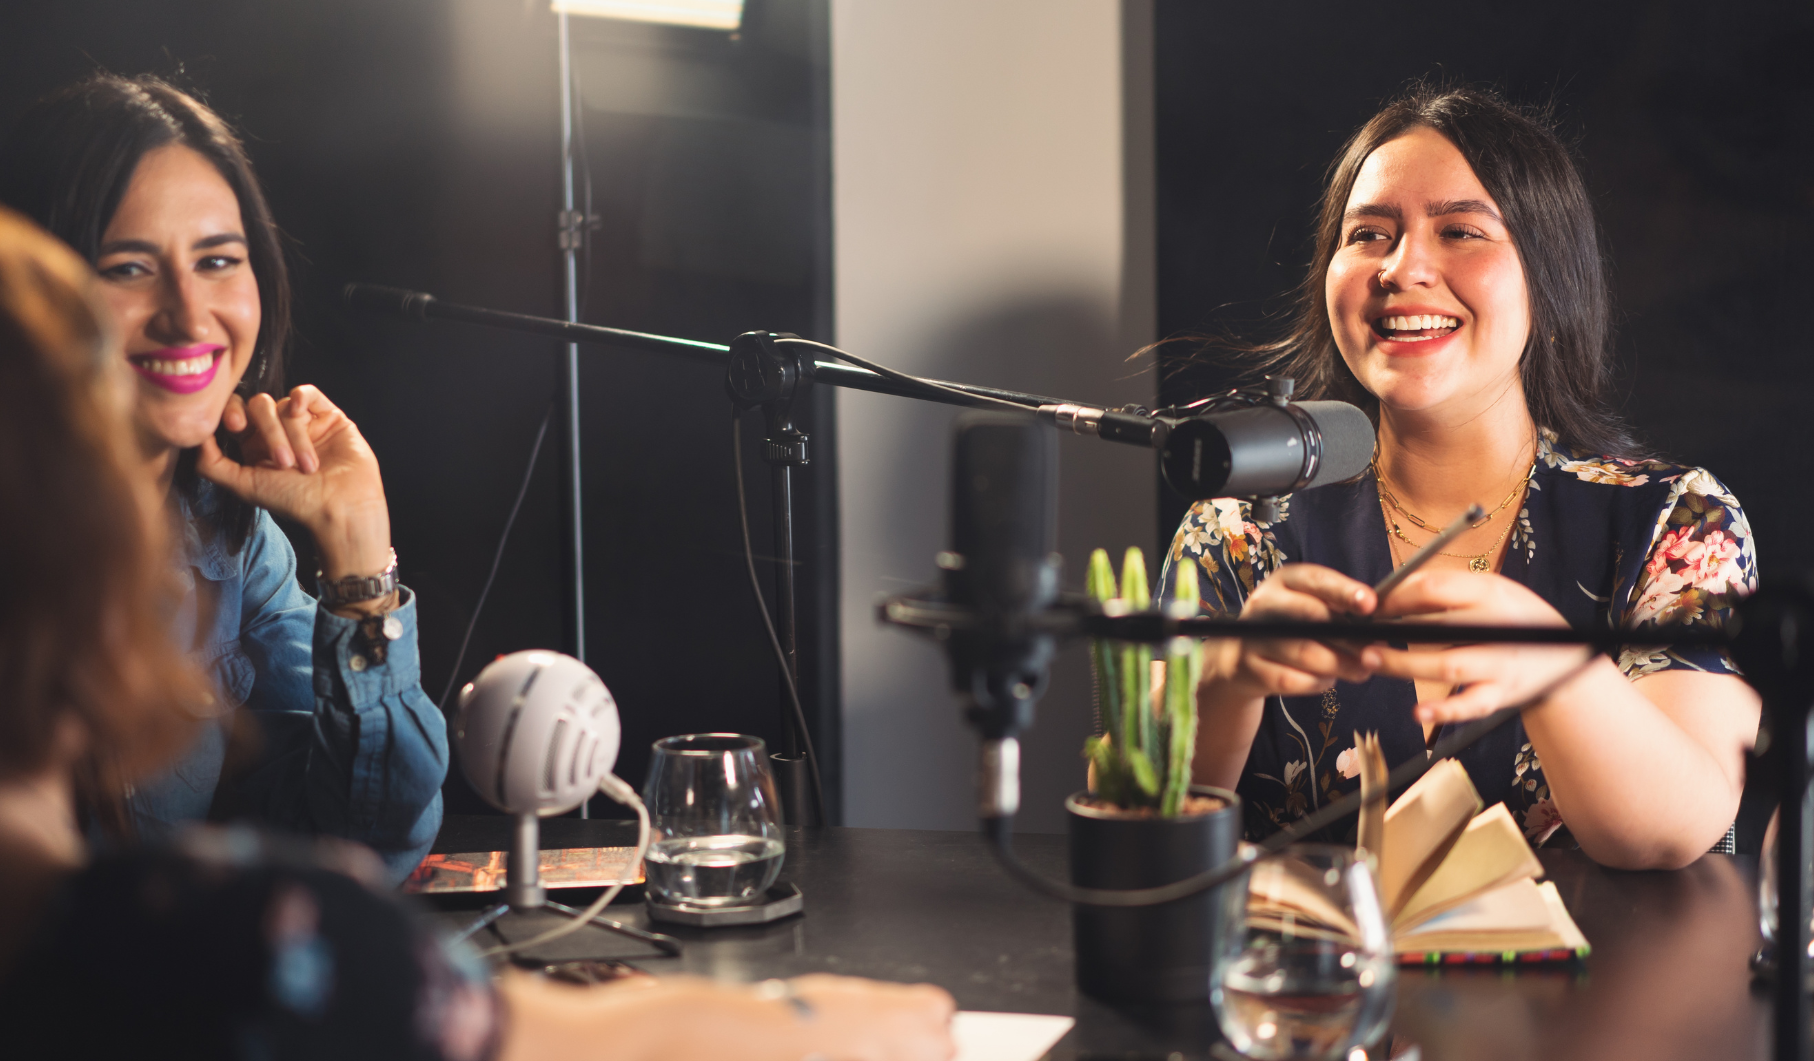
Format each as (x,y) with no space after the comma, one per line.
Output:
(1266,450)
(1003,568)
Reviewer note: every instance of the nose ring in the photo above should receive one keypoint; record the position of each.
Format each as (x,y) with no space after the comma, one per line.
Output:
(1382,278)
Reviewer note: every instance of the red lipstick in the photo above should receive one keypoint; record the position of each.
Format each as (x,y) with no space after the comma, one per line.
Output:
(180,369)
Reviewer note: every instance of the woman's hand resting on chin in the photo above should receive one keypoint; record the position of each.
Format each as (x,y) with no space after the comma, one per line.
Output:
(1484,678)
(302,458)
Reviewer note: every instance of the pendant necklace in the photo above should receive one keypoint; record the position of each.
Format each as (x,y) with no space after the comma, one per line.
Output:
(1483,562)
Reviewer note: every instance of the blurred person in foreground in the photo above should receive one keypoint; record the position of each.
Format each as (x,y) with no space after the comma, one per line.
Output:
(223,942)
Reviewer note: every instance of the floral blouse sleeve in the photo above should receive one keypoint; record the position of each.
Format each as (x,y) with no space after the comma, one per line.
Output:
(1233,553)
(1699,562)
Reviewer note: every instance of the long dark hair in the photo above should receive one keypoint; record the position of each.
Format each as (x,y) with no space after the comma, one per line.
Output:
(67,164)
(1526,168)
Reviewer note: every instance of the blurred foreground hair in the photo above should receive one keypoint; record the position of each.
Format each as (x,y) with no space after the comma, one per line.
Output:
(84,621)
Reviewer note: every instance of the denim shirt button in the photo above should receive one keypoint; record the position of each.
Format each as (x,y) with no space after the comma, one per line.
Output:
(357,663)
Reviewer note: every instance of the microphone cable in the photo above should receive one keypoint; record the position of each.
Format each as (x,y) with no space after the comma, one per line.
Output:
(497,558)
(768,622)
(999,831)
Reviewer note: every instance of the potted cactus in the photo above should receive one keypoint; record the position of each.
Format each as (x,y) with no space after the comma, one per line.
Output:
(1141,823)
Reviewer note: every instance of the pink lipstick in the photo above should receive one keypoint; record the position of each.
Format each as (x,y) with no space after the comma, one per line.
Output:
(180,369)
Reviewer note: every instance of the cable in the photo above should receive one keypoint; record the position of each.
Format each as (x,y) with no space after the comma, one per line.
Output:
(625,795)
(768,623)
(999,831)
(903,377)
(496,558)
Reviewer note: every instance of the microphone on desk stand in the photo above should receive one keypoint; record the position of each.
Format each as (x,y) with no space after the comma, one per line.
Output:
(1003,567)
(538,734)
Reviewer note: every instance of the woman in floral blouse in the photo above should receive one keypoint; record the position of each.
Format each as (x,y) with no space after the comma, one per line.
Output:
(1458,295)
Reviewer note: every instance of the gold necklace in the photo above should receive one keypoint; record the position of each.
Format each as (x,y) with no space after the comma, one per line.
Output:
(1482,562)
(1386,490)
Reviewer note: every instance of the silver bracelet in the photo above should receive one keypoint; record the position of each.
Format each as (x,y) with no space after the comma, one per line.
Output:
(784,991)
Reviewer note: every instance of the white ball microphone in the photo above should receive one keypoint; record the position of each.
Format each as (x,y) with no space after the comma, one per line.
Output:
(538,734)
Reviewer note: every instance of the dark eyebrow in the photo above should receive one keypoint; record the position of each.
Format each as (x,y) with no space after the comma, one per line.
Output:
(145,247)
(1462,206)
(120,245)
(1385,210)
(217,240)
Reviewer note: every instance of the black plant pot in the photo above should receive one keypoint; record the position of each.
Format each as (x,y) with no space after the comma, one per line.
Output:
(1153,953)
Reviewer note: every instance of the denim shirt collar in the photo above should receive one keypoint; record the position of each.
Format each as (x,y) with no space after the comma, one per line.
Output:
(206,553)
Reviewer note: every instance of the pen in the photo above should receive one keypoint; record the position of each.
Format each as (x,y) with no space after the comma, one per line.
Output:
(1449,533)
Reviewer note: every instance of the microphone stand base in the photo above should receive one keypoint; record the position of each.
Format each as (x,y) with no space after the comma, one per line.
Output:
(668,945)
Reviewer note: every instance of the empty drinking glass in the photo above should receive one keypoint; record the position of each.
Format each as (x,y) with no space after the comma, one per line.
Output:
(716,819)
(1312,976)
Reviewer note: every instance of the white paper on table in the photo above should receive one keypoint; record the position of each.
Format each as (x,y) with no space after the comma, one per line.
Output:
(1007,1036)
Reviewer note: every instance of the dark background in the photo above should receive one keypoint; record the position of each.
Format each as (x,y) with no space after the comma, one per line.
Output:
(709,170)
(1694,125)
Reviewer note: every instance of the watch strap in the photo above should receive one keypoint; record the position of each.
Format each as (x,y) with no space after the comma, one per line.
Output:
(340,592)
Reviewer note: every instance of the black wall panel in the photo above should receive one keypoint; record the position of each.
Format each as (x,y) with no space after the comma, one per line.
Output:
(390,158)
(1694,125)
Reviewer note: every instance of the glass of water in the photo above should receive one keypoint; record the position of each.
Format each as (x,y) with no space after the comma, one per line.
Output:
(716,819)
(1312,973)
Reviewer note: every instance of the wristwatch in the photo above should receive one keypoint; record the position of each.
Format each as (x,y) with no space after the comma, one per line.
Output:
(356,588)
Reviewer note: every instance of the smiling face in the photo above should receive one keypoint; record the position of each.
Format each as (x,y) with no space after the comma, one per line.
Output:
(175,274)
(1426,292)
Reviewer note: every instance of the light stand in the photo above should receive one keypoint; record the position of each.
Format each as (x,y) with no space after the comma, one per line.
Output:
(573,225)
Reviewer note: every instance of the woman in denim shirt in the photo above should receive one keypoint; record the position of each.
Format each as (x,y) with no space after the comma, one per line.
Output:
(319,723)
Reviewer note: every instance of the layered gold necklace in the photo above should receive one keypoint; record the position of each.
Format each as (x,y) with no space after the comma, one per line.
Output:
(1482,562)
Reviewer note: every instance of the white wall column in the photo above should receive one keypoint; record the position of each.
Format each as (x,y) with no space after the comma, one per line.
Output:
(993,208)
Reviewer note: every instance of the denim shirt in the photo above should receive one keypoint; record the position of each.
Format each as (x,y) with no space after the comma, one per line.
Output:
(342,746)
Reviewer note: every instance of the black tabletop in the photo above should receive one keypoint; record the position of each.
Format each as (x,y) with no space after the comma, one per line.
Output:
(1667,978)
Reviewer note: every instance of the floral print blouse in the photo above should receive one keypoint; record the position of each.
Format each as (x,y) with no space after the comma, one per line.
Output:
(1604,541)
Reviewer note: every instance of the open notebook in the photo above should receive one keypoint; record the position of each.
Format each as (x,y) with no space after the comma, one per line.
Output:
(1460,884)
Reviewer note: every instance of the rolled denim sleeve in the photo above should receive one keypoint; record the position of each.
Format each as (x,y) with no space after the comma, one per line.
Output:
(347,745)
